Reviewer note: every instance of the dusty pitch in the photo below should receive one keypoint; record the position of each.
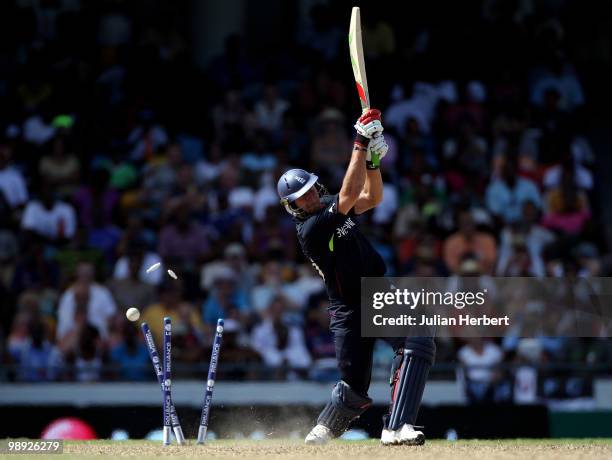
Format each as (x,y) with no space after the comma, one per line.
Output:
(353,450)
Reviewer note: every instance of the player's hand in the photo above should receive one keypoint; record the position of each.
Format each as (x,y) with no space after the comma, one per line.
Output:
(377,149)
(369,124)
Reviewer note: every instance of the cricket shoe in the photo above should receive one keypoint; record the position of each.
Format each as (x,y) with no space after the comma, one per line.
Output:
(320,434)
(406,436)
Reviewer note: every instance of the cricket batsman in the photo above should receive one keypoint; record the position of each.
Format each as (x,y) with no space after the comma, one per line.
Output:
(330,237)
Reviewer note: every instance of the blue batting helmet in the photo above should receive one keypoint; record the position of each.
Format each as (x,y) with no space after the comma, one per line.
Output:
(292,185)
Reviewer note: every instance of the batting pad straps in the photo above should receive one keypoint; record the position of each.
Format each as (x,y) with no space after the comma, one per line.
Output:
(345,406)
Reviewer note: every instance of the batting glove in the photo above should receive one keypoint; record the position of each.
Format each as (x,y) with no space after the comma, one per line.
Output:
(377,149)
(368,126)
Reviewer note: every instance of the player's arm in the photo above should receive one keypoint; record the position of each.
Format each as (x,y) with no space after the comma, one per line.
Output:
(354,179)
(372,193)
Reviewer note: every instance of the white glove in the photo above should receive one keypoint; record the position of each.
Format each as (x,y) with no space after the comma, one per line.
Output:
(370,129)
(377,149)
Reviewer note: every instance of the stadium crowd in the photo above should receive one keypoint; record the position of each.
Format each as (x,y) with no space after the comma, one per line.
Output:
(117,152)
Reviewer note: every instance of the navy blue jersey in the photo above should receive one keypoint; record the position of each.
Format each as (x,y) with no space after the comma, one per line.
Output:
(339,251)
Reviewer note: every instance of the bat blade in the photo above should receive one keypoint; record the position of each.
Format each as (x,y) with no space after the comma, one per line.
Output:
(357,60)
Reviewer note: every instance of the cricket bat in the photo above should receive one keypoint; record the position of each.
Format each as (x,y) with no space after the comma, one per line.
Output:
(356,50)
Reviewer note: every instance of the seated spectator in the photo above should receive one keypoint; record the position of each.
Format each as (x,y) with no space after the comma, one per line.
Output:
(468,240)
(419,105)
(306,284)
(138,237)
(261,156)
(480,358)
(12,183)
(232,115)
(468,150)
(561,76)
(90,356)
(320,342)
(36,354)
(95,201)
(183,242)
(82,354)
(161,175)
(272,284)
(60,168)
(506,194)
(331,144)
(189,333)
(280,345)
(146,137)
(18,336)
(235,256)
(583,179)
(273,234)
(528,233)
(385,212)
(48,217)
(240,362)
(93,298)
(76,251)
(226,300)
(128,354)
(132,291)
(270,109)
(567,209)
(415,146)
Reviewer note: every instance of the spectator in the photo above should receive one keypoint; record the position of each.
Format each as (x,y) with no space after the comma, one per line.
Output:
(468,151)
(240,362)
(225,299)
(12,182)
(583,179)
(36,355)
(480,358)
(137,237)
(48,217)
(94,299)
(528,233)
(132,291)
(270,109)
(506,194)
(236,258)
(330,146)
(320,342)
(189,332)
(567,208)
(280,345)
(468,240)
(129,355)
(161,175)
(96,202)
(183,242)
(146,138)
(560,76)
(61,168)
(272,284)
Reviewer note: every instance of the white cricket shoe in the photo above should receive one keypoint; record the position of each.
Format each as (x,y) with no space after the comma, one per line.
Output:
(320,434)
(406,435)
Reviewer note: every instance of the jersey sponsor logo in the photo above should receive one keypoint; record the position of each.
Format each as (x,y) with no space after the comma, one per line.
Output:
(345,228)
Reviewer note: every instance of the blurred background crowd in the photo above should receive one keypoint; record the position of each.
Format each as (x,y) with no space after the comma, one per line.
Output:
(118,150)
